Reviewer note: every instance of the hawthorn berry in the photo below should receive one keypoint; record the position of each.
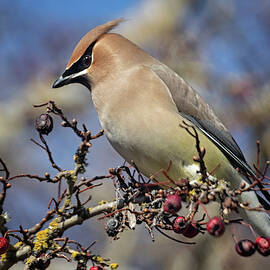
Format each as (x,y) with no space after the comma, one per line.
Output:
(179,224)
(263,246)
(245,248)
(4,245)
(215,226)
(95,267)
(172,204)
(44,124)
(191,230)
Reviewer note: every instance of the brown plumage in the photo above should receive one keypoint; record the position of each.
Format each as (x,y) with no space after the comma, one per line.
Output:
(140,104)
(90,37)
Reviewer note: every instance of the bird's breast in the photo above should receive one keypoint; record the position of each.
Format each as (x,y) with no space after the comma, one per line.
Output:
(142,123)
(151,138)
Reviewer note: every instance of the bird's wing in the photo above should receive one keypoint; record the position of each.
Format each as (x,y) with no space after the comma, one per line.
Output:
(192,107)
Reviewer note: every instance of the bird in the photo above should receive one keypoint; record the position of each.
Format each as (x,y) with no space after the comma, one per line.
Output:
(141,104)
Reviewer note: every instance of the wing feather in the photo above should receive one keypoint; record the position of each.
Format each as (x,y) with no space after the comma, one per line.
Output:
(192,107)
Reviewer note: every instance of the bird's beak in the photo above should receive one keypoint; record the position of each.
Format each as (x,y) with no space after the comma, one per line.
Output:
(65,79)
(61,81)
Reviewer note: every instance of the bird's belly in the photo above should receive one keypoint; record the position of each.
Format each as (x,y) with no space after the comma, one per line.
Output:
(153,149)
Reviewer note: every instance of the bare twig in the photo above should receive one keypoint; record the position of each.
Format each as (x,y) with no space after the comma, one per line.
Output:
(200,150)
(5,169)
(34,176)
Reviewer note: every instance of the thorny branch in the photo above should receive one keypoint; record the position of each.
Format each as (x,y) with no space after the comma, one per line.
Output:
(137,202)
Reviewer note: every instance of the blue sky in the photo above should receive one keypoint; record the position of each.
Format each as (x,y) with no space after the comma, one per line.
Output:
(77,10)
(28,18)
(26,26)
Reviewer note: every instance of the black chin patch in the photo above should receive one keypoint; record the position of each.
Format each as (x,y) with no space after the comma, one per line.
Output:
(82,80)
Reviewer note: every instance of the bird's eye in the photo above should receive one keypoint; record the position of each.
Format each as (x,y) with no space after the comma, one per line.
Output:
(86,61)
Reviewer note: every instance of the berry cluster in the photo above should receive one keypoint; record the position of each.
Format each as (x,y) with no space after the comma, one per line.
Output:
(247,248)
(159,209)
(189,227)
(138,201)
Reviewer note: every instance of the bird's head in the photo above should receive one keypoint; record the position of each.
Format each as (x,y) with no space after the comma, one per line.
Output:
(85,59)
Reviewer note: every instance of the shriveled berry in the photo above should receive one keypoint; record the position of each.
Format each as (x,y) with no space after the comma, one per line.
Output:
(179,224)
(42,265)
(215,226)
(112,226)
(245,248)
(120,203)
(44,124)
(263,246)
(4,245)
(191,230)
(141,199)
(46,264)
(172,204)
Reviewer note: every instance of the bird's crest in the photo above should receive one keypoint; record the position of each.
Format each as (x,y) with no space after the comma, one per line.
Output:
(89,38)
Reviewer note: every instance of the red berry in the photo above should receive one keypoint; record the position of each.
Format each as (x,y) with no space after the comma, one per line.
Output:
(95,267)
(4,245)
(179,224)
(245,248)
(215,226)
(191,230)
(263,246)
(172,204)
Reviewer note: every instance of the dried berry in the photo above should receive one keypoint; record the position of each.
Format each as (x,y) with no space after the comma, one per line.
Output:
(44,124)
(4,245)
(120,203)
(245,248)
(112,226)
(215,226)
(191,230)
(42,265)
(179,224)
(141,199)
(263,246)
(172,204)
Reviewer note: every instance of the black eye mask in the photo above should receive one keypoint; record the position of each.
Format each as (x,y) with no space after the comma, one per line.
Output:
(83,63)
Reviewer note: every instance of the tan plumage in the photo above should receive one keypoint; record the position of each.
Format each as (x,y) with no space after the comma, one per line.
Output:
(140,104)
(90,37)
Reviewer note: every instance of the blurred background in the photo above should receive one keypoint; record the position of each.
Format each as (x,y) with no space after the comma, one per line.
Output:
(220,47)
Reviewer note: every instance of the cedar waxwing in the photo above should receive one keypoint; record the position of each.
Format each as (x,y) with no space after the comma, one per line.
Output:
(141,103)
